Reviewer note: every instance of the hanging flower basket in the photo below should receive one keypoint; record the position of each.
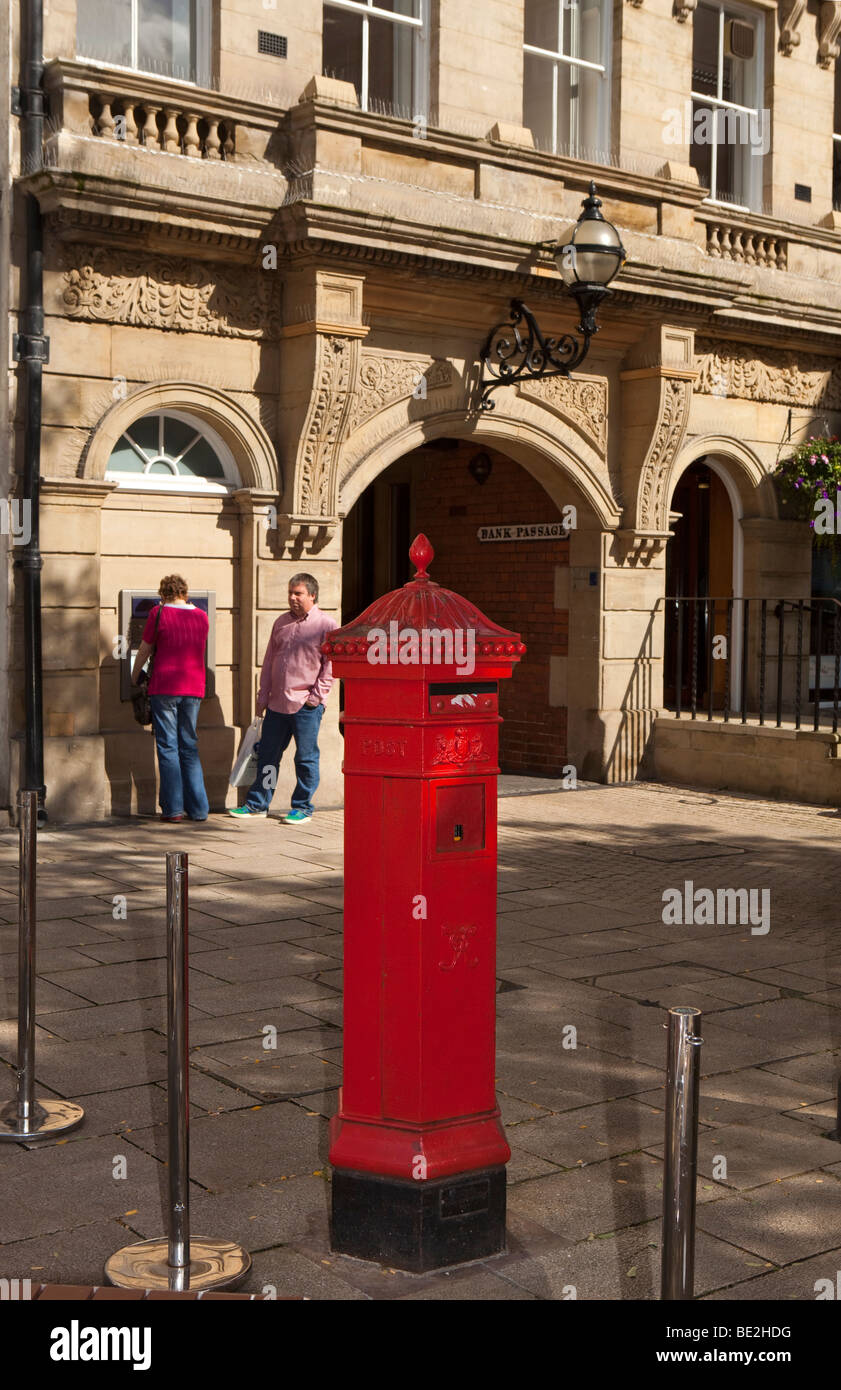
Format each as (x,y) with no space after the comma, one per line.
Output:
(808,482)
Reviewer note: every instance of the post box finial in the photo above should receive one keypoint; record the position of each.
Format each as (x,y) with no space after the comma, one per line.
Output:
(421,554)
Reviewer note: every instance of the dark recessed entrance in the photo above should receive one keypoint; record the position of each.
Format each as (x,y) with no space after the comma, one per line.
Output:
(699,565)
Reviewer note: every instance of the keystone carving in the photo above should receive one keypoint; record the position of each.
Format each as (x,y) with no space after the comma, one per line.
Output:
(184,295)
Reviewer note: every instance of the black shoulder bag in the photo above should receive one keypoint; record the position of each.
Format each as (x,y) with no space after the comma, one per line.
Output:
(140,700)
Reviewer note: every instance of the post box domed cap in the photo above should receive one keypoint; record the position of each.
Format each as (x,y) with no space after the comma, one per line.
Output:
(423,604)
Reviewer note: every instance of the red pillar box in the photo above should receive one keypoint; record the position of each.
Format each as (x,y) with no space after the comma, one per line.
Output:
(417,1147)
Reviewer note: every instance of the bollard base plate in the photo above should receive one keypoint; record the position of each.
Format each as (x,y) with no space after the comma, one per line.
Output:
(214,1264)
(419,1226)
(48,1118)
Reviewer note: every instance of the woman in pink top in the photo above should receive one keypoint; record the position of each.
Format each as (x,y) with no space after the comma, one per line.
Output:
(177,632)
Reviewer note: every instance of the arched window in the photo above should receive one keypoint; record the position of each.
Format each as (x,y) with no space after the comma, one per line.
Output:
(170,451)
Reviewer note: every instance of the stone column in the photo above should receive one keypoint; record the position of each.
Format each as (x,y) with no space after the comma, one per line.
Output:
(632,627)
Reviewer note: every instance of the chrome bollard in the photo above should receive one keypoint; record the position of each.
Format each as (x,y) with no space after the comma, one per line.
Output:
(677,1279)
(25,1117)
(178,1262)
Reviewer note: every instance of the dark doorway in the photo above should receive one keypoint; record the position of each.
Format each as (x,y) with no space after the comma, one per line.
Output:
(699,565)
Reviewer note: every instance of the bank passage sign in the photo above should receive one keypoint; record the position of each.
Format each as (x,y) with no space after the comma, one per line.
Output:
(535,531)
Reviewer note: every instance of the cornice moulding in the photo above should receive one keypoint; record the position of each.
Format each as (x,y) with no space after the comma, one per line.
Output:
(342,330)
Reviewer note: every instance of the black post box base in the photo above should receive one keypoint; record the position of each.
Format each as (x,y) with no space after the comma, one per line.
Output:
(419,1226)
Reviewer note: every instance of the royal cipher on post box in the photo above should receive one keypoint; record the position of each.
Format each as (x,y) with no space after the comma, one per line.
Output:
(417,1147)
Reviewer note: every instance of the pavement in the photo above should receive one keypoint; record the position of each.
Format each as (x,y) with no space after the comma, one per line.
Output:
(585,958)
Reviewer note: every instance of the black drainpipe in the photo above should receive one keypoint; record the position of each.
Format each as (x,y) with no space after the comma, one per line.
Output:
(31,349)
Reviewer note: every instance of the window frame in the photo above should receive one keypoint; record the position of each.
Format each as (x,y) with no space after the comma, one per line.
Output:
(201,33)
(756,18)
(368,9)
(603,68)
(175,483)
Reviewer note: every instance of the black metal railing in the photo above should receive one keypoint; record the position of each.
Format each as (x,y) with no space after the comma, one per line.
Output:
(760,646)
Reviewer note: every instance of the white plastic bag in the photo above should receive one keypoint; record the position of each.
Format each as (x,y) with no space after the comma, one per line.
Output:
(244,769)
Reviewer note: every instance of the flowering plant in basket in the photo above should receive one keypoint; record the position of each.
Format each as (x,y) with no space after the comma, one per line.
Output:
(808,482)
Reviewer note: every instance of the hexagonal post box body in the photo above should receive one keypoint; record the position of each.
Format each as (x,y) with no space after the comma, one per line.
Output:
(417,1146)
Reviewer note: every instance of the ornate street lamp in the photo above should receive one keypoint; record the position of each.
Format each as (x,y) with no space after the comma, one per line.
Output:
(517,350)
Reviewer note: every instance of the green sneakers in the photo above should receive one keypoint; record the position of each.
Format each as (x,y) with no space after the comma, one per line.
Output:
(246,813)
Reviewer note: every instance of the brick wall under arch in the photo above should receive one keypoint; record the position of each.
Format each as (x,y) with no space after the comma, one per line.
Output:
(513,582)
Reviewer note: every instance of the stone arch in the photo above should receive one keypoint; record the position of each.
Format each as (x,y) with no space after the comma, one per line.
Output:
(245,437)
(742,466)
(532,437)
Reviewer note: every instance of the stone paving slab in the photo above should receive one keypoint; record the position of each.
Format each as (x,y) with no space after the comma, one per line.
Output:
(45,1190)
(755,1156)
(798,1282)
(226,1028)
(786,1221)
(820,1069)
(281,1141)
(72,1255)
(106,984)
(268,1214)
(292,1075)
(594,1199)
(216,997)
(254,962)
(626,1266)
(83,1067)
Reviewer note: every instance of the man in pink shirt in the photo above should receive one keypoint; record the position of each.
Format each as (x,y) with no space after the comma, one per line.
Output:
(294,684)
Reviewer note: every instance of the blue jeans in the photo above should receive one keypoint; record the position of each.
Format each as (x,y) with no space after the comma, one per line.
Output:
(278,729)
(182,783)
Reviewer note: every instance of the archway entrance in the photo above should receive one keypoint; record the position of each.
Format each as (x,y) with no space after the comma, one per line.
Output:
(450,489)
(699,565)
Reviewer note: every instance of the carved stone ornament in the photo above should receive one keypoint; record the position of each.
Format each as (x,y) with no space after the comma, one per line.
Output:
(638,547)
(581,401)
(791,12)
(675,399)
(184,295)
(778,377)
(830,27)
(384,380)
(682,9)
(326,425)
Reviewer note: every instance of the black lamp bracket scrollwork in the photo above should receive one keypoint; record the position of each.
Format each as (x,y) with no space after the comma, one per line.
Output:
(519,351)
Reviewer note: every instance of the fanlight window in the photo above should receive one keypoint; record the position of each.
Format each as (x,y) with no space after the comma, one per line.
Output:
(172,452)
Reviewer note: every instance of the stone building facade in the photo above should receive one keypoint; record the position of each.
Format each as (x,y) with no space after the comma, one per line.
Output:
(276,237)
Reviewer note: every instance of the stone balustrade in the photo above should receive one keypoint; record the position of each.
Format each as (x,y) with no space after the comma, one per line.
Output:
(156,113)
(746,246)
(176,129)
